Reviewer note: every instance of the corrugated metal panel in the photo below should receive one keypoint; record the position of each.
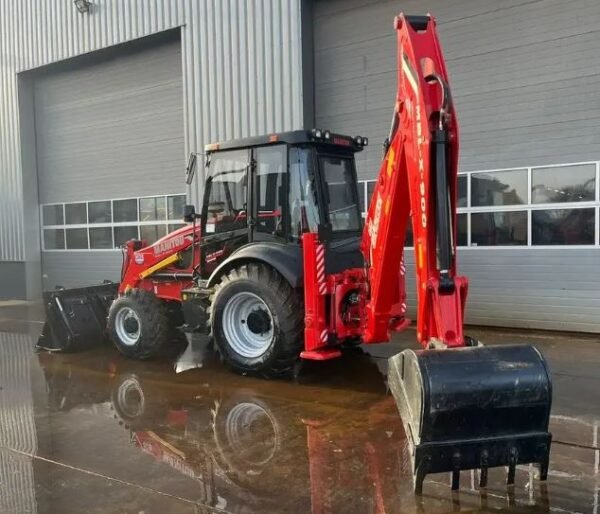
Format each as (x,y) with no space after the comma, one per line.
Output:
(548,289)
(113,127)
(17,422)
(16,401)
(80,268)
(525,81)
(241,63)
(524,76)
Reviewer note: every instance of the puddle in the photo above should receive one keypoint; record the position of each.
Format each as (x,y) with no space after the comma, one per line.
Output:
(191,431)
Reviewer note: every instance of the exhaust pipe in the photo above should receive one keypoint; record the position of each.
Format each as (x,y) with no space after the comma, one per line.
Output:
(473,408)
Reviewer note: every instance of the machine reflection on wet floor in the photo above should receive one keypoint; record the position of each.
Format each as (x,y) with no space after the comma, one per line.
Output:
(331,441)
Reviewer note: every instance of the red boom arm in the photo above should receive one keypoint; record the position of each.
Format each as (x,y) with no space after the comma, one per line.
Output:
(418,176)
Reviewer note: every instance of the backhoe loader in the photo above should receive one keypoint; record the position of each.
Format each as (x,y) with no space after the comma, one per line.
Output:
(278,266)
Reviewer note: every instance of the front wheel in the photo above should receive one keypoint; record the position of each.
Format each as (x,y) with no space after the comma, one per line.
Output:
(138,324)
(256,321)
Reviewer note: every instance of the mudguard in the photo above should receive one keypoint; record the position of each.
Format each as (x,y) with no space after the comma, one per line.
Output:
(286,259)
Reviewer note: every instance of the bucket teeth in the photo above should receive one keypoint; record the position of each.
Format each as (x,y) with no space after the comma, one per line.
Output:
(473,408)
(456,471)
(483,467)
(512,466)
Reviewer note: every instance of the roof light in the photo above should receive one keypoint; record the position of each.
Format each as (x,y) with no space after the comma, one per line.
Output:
(365,141)
(327,134)
(358,140)
(318,133)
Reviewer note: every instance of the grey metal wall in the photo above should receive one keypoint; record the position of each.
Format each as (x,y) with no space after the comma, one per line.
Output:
(241,65)
(80,268)
(112,127)
(525,82)
(108,126)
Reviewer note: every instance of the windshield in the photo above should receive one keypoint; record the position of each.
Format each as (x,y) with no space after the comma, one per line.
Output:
(226,192)
(338,174)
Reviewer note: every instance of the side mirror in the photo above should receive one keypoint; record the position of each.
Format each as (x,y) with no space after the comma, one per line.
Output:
(189,213)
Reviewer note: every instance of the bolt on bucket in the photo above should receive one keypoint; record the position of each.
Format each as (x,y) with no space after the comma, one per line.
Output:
(76,318)
(473,408)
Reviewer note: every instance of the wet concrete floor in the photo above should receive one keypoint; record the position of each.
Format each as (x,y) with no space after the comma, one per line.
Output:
(94,432)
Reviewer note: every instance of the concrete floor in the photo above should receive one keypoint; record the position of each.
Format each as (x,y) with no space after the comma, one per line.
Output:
(93,432)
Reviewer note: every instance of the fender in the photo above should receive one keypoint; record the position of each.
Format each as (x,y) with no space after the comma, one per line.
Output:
(286,259)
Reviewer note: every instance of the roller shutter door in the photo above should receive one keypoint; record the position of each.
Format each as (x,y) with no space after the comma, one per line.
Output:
(108,127)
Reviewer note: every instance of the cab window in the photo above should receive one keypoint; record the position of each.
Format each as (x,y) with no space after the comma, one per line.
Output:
(226,195)
(304,213)
(342,199)
(270,170)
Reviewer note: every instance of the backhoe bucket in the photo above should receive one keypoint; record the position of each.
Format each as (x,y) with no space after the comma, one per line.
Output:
(76,318)
(473,408)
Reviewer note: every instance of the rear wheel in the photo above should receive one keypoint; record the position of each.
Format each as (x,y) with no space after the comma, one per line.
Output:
(138,324)
(256,321)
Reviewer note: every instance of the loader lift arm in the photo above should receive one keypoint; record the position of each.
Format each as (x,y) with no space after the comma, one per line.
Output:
(418,174)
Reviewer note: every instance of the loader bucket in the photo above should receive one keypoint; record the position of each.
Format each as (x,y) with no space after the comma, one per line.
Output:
(473,408)
(76,318)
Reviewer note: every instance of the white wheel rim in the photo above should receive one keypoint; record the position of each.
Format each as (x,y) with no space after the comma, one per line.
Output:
(248,418)
(248,324)
(131,398)
(128,326)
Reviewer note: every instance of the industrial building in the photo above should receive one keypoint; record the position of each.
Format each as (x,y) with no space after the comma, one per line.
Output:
(101,102)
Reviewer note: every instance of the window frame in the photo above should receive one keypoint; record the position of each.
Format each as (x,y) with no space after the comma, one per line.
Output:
(110,225)
(528,206)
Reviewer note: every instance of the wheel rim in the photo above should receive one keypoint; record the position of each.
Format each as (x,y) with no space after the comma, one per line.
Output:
(128,326)
(131,398)
(248,324)
(243,422)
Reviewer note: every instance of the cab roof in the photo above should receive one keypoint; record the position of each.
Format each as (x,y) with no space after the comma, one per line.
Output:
(292,137)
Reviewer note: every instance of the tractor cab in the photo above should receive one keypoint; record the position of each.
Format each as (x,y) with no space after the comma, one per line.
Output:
(269,190)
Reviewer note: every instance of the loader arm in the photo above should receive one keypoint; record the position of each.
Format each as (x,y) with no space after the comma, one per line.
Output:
(418,175)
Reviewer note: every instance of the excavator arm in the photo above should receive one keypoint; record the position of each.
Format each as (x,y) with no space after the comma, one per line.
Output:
(476,406)
(418,176)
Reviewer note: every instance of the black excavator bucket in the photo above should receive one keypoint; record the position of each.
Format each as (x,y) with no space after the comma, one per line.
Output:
(473,408)
(76,318)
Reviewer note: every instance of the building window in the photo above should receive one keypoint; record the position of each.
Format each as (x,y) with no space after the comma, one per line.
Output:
(124,233)
(53,214)
(563,227)
(153,208)
(544,206)
(100,212)
(77,238)
(462,191)
(499,228)
(54,238)
(108,224)
(499,188)
(75,213)
(125,210)
(562,184)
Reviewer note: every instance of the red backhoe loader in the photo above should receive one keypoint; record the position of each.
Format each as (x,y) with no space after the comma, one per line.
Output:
(277,266)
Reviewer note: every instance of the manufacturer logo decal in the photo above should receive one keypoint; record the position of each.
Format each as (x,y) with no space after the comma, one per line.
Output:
(168,245)
(139,258)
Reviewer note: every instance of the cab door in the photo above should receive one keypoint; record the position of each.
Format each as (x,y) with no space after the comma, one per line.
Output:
(225,211)
(269,187)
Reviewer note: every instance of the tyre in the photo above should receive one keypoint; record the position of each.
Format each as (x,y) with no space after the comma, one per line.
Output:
(138,325)
(257,321)
(249,461)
